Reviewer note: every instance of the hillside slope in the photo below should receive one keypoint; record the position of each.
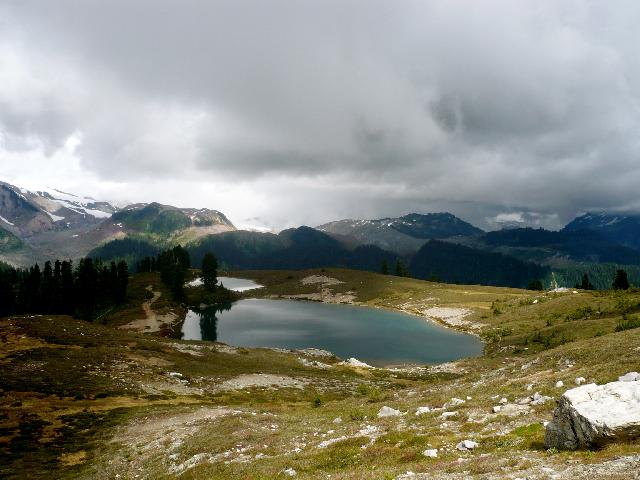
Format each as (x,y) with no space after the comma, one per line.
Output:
(87,401)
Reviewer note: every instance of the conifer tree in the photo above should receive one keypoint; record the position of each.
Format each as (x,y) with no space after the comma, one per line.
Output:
(385,267)
(586,284)
(620,280)
(210,272)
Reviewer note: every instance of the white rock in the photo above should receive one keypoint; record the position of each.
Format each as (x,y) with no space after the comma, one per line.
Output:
(559,384)
(388,412)
(497,408)
(454,402)
(580,380)
(630,377)
(530,386)
(503,400)
(466,445)
(175,374)
(290,472)
(431,453)
(337,420)
(468,397)
(422,410)
(539,399)
(354,362)
(448,414)
(535,301)
(594,415)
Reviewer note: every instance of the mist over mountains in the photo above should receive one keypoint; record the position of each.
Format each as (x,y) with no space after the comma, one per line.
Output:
(37,225)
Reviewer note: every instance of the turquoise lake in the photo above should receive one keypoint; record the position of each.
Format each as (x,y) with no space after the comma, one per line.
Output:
(375,336)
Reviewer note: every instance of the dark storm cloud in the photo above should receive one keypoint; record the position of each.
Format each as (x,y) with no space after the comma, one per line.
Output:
(527,110)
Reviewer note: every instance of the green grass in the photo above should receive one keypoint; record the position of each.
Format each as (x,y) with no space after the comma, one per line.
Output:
(82,400)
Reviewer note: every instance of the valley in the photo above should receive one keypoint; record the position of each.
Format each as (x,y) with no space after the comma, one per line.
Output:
(45,224)
(83,400)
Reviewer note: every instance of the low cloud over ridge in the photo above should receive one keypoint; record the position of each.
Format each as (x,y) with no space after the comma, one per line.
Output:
(304,112)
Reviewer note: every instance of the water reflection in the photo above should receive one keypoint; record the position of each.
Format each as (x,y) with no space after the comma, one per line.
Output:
(203,323)
(375,336)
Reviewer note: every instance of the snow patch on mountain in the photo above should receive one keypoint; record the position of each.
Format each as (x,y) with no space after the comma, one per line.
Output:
(6,221)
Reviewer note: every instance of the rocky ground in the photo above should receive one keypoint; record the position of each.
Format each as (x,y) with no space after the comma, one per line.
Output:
(90,401)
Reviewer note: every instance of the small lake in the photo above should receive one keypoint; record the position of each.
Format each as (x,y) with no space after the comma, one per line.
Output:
(232,283)
(375,336)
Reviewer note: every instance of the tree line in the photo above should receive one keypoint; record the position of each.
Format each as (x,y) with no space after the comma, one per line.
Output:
(85,291)
(172,265)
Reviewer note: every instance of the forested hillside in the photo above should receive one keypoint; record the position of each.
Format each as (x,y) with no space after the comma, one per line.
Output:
(453,263)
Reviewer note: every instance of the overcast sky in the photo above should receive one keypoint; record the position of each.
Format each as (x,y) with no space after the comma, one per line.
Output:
(283,113)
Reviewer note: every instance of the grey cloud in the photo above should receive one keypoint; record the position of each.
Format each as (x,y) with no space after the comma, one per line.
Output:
(524,108)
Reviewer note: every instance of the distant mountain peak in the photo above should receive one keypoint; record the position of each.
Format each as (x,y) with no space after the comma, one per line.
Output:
(405,234)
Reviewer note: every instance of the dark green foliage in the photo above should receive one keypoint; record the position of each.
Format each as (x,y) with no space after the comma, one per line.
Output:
(385,267)
(297,248)
(620,280)
(585,284)
(535,285)
(459,264)
(627,323)
(172,265)
(581,313)
(401,269)
(600,274)
(153,218)
(92,288)
(210,272)
(129,249)
(582,245)
(8,241)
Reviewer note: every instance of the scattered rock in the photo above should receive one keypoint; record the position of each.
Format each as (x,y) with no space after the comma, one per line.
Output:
(290,472)
(314,364)
(465,445)
(322,279)
(315,352)
(503,401)
(422,410)
(431,453)
(448,414)
(581,380)
(454,402)
(388,412)
(497,408)
(539,399)
(337,420)
(630,377)
(559,384)
(354,362)
(593,415)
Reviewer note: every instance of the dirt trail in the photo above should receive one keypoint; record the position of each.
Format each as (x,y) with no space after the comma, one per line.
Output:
(152,321)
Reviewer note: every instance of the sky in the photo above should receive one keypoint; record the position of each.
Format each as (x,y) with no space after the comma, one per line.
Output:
(283,113)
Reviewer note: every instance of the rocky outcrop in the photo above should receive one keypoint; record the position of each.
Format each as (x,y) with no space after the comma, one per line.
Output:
(594,415)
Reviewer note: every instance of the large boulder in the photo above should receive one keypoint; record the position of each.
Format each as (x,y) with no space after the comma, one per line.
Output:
(593,415)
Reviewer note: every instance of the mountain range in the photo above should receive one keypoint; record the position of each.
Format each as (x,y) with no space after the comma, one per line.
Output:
(45,223)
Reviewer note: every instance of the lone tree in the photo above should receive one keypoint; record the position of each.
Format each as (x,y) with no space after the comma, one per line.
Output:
(385,267)
(210,272)
(535,285)
(620,280)
(401,269)
(586,283)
